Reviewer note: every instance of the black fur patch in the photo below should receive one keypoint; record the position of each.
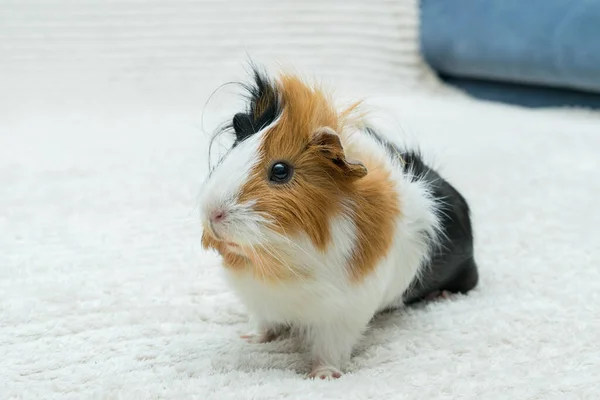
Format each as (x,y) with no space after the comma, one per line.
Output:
(263,107)
(394,151)
(452,266)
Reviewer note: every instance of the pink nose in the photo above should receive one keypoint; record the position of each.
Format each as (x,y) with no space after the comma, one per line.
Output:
(217,216)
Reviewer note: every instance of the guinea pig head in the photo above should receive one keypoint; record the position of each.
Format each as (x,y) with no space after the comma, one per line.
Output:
(284,179)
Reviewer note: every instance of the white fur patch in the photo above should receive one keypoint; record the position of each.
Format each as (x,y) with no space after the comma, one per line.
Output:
(223,186)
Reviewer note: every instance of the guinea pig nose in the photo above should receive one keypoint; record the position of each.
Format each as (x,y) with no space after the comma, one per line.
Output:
(217,215)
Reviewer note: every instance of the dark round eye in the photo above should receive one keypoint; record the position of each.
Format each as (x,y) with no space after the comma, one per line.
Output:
(280,173)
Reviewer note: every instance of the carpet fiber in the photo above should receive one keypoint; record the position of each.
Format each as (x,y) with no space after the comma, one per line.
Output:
(106,293)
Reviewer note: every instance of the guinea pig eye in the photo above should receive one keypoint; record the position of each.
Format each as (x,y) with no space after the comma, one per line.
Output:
(280,173)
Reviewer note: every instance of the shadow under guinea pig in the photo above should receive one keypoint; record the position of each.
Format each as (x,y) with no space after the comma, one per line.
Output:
(284,353)
(288,352)
(390,334)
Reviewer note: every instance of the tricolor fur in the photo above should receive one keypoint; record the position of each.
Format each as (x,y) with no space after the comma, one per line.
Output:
(354,231)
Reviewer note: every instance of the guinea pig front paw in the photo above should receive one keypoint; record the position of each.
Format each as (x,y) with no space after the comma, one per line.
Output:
(265,336)
(324,372)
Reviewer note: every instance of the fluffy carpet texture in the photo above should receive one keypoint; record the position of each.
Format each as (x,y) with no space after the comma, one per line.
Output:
(105,292)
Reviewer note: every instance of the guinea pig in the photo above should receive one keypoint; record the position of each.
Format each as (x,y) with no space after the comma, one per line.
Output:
(322,223)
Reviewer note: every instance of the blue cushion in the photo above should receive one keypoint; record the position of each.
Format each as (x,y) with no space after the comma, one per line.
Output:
(544,42)
(525,95)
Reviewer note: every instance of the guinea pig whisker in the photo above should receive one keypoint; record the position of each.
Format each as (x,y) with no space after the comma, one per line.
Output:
(277,256)
(262,267)
(271,251)
(257,259)
(291,242)
(259,267)
(273,256)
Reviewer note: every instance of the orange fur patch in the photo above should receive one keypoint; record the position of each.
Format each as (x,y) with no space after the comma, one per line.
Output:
(230,260)
(377,208)
(265,263)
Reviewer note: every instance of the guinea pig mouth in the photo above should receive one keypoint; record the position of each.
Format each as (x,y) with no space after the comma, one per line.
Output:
(235,249)
(213,231)
(219,238)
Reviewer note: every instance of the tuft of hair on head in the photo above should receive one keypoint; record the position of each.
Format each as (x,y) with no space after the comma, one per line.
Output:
(266,98)
(264,105)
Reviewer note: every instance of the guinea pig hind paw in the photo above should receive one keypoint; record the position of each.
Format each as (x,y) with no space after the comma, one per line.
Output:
(438,294)
(324,372)
(255,338)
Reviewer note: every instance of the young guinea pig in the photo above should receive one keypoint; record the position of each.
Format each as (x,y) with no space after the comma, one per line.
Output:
(322,223)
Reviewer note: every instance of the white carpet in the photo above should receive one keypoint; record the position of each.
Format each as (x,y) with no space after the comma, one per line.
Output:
(105,293)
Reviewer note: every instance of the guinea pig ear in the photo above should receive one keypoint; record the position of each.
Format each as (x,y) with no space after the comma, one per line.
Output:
(242,125)
(328,143)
